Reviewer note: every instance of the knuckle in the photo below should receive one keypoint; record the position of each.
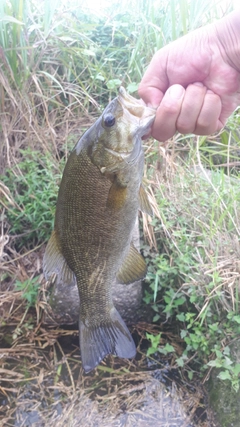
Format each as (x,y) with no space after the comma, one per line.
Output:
(171,109)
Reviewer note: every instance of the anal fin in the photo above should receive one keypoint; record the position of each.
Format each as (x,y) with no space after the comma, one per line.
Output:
(133,267)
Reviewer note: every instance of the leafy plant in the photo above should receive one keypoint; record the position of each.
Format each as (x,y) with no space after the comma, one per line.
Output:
(196,230)
(228,370)
(29,289)
(33,187)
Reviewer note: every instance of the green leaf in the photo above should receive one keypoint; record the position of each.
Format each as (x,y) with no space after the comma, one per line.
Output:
(151,350)
(11,19)
(215,363)
(179,301)
(181,317)
(183,333)
(224,375)
(168,348)
(236,319)
(227,362)
(180,362)
(100,77)
(155,287)
(236,369)
(132,87)
(156,317)
(155,340)
(113,84)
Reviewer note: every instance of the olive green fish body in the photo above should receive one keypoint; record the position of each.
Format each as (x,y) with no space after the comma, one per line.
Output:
(97,206)
(94,234)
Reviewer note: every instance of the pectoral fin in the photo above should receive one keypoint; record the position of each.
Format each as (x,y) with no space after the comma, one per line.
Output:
(54,262)
(133,268)
(116,196)
(144,203)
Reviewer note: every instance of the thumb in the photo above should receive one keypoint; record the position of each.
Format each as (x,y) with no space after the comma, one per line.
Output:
(152,96)
(154,82)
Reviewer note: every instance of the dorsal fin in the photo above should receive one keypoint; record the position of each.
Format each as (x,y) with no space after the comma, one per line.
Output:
(54,262)
(133,267)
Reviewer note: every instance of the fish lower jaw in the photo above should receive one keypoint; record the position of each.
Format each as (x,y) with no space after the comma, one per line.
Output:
(119,154)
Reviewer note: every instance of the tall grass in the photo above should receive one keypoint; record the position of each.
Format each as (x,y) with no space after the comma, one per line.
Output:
(59,60)
(60,46)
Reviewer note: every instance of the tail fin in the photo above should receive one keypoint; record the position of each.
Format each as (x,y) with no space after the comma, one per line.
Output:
(112,337)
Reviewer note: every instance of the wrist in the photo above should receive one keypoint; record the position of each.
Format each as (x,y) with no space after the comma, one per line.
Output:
(228,34)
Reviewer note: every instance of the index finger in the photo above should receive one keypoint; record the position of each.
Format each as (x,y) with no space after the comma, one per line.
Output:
(153,84)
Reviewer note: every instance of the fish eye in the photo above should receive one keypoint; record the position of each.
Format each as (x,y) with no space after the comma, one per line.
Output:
(109,120)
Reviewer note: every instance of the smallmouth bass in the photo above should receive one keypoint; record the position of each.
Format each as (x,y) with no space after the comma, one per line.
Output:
(98,201)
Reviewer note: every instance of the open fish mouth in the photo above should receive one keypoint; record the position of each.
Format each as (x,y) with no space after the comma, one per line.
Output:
(138,119)
(139,113)
(136,107)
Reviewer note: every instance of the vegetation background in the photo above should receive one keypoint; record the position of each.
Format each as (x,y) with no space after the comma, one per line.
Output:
(61,63)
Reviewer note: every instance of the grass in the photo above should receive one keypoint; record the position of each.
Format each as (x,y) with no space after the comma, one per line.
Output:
(194,277)
(60,66)
(59,63)
(33,187)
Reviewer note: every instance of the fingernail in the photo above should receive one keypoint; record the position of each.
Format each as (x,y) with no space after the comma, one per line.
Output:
(176,91)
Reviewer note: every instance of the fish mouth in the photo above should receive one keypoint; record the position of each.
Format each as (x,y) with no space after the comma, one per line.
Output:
(142,115)
(136,107)
(141,118)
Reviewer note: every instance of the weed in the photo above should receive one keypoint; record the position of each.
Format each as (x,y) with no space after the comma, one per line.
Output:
(228,370)
(189,277)
(29,289)
(33,187)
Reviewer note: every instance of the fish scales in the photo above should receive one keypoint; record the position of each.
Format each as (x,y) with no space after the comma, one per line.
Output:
(98,202)
(83,220)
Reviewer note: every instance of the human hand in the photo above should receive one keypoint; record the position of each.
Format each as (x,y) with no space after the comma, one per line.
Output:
(195,81)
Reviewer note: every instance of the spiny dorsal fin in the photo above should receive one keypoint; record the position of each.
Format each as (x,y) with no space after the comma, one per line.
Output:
(133,267)
(54,262)
(144,203)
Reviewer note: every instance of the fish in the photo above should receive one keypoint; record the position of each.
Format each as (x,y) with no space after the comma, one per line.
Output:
(99,197)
